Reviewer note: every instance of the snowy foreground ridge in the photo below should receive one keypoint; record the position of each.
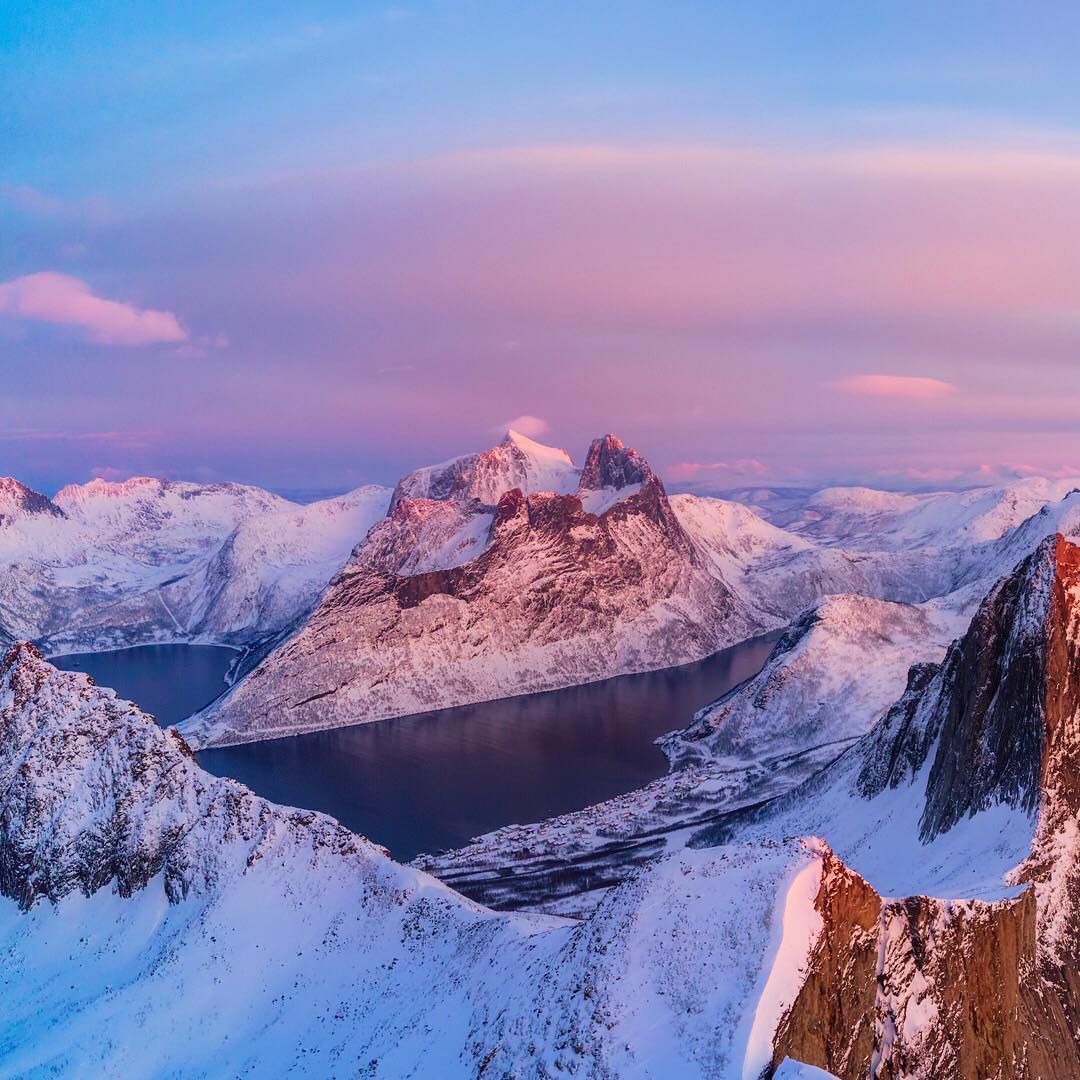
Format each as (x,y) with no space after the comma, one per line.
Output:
(147,900)
(930,932)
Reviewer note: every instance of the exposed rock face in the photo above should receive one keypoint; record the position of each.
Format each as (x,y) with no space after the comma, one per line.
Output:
(610,464)
(983,712)
(925,988)
(419,535)
(17,500)
(558,596)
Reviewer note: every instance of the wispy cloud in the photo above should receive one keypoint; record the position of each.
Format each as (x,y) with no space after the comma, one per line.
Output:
(895,386)
(32,202)
(696,470)
(529,426)
(51,297)
(135,439)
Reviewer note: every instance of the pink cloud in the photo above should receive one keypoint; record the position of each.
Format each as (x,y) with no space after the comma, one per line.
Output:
(110,473)
(529,426)
(693,470)
(51,297)
(895,386)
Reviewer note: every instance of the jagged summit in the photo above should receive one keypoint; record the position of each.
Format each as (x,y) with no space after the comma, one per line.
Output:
(611,464)
(986,724)
(18,501)
(517,462)
(452,600)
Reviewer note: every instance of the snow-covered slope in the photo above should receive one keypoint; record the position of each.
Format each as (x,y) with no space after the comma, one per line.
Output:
(558,596)
(144,901)
(780,572)
(517,462)
(272,567)
(159,921)
(831,675)
(863,518)
(106,565)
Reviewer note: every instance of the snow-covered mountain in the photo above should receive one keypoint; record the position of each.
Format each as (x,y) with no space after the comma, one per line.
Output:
(144,901)
(930,931)
(517,462)
(478,584)
(110,564)
(860,517)
(946,911)
(558,595)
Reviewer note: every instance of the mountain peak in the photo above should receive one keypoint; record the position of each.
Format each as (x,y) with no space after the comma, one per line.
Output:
(17,500)
(517,462)
(612,464)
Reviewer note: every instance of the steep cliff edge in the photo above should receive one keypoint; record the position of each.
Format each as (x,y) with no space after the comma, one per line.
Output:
(978,762)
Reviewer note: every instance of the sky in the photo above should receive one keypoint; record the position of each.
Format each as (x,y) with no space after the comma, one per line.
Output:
(313,246)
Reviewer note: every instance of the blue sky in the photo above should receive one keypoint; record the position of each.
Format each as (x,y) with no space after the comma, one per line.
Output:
(342,240)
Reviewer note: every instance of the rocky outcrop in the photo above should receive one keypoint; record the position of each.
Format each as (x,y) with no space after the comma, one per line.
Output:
(17,501)
(610,464)
(980,720)
(925,988)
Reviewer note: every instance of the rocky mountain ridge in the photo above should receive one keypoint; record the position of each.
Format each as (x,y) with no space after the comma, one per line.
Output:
(558,595)
(17,501)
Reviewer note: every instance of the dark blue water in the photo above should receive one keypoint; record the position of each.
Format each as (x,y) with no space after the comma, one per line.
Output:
(435,780)
(167,681)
